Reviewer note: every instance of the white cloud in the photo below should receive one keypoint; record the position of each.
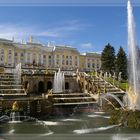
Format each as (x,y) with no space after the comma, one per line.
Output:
(9,31)
(87,46)
(46,34)
(19,31)
(22,32)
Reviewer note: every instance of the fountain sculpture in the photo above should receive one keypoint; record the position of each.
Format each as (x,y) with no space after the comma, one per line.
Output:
(14,115)
(59,82)
(134,67)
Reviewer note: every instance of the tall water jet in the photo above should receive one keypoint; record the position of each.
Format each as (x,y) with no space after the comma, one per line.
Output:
(17,72)
(14,117)
(134,68)
(59,82)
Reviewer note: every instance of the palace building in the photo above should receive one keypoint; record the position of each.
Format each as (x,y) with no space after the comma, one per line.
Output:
(34,55)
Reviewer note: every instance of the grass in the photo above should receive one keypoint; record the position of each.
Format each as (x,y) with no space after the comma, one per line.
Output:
(122,84)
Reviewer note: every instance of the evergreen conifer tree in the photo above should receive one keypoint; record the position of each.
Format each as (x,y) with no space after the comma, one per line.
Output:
(121,63)
(108,59)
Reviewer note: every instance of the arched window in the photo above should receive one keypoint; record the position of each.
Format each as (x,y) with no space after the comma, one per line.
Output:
(2,51)
(41,87)
(34,62)
(66,85)
(26,85)
(67,62)
(49,85)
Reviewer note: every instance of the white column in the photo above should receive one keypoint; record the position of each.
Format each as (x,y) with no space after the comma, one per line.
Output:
(54,60)
(18,58)
(31,58)
(86,63)
(95,61)
(13,55)
(25,58)
(61,60)
(41,58)
(5,57)
(100,64)
(37,58)
(46,60)
(90,64)
(72,61)
(78,61)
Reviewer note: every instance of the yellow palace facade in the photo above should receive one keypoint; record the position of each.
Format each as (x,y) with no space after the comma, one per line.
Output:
(34,55)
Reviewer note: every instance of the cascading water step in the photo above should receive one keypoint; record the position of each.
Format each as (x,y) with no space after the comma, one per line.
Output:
(10,83)
(9,87)
(70,94)
(38,107)
(72,99)
(75,103)
(8,79)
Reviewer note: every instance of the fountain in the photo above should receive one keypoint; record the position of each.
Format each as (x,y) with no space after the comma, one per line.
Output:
(11,82)
(14,115)
(130,117)
(4,118)
(59,82)
(104,96)
(134,68)
(17,72)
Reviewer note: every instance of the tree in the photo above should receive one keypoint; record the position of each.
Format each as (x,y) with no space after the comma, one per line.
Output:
(121,63)
(108,59)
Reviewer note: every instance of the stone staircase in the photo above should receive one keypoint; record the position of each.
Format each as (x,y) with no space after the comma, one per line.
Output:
(96,85)
(106,87)
(10,85)
(64,99)
(91,87)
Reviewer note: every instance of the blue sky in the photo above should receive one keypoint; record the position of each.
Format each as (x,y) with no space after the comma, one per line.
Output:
(88,28)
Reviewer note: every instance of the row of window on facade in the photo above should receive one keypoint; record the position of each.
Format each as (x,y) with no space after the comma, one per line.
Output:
(66,57)
(2,51)
(34,61)
(92,65)
(30,57)
(9,56)
(42,59)
(66,62)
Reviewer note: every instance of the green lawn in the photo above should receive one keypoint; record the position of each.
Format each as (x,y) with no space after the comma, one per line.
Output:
(123,84)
